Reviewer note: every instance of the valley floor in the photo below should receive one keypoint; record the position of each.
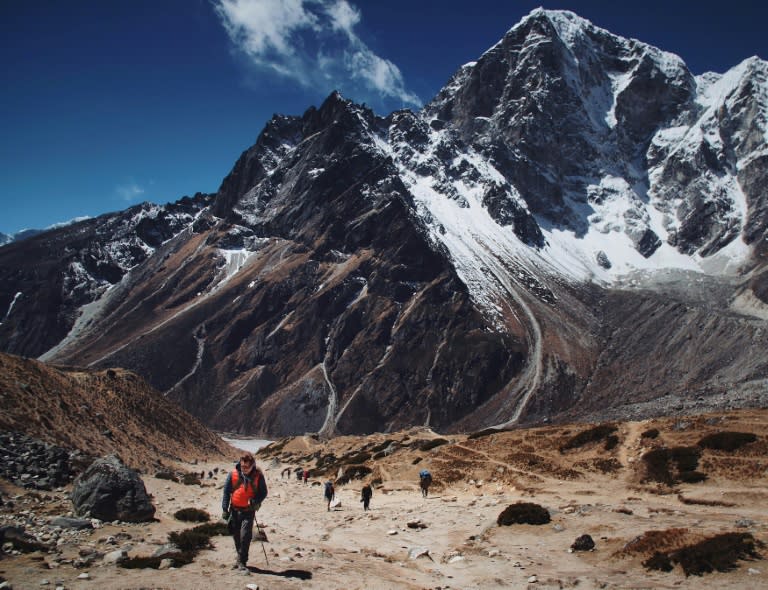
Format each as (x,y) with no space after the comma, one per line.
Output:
(454,530)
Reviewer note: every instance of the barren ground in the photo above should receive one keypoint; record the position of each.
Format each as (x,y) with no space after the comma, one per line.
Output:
(587,490)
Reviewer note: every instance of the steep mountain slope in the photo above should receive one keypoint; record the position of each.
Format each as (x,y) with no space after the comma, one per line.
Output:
(100,412)
(575,226)
(48,278)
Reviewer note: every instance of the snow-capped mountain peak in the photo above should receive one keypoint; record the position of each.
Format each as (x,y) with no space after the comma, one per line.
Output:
(575,226)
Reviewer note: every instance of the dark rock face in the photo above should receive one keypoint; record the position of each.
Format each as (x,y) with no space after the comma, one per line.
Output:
(324,289)
(108,490)
(45,279)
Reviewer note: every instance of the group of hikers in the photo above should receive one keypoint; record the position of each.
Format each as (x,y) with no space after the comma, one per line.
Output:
(246,488)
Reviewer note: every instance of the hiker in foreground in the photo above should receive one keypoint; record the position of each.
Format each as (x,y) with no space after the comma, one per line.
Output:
(425,479)
(365,496)
(330,493)
(244,491)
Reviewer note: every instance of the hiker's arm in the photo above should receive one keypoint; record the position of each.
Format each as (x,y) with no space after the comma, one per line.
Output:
(227,493)
(261,490)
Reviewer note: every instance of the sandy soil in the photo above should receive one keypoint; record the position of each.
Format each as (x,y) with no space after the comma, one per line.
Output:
(462,546)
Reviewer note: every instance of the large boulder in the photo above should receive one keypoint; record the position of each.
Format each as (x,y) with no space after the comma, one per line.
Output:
(108,490)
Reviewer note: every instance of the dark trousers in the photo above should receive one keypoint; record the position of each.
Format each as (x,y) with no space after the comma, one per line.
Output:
(241,528)
(366,502)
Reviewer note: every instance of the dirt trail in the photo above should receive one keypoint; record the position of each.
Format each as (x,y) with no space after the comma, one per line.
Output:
(450,539)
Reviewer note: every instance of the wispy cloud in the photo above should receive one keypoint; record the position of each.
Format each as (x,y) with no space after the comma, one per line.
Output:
(129,192)
(312,42)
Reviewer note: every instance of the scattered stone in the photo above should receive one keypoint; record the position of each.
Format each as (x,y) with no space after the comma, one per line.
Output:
(66,522)
(416,552)
(583,543)
(115,556)
(533,579)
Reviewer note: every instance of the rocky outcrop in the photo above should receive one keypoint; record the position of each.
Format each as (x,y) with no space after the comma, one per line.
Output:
(108,490)
(32,463)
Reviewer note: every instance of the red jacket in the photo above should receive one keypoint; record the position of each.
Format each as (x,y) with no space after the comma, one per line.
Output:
(252,488)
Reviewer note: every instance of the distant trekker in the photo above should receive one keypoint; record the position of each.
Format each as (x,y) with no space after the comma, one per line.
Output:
(365,496)
(329,493)
(244,491)
(306,476)
(425,480)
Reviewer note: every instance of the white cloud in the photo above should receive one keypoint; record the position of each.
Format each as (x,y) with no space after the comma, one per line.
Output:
(312,42)
(344,16)
(129,192)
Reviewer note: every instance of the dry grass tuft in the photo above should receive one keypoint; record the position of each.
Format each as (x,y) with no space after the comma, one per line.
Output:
(651,541)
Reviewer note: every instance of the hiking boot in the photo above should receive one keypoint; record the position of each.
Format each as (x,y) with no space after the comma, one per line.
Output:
(243,568)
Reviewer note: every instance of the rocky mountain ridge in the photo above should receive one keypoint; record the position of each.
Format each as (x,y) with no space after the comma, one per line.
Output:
(574,226)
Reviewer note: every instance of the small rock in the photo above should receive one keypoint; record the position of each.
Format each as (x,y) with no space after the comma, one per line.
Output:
(416,552)
(583,543)
(84,576)
(116,556)
(753,572)
(533,579)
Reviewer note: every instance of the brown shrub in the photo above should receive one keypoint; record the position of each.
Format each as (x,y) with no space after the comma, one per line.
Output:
(727,441)
(667,465)
(654,541)
(431,444)
(600,465)
(523,513)
(192,515)
(719,553)
(594,434)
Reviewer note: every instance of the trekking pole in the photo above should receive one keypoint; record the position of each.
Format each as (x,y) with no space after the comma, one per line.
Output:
(262,535)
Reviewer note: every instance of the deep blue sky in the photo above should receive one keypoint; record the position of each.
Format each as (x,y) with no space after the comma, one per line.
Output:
(106,103)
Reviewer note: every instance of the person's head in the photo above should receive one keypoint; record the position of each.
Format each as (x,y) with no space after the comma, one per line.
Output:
(247,462)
